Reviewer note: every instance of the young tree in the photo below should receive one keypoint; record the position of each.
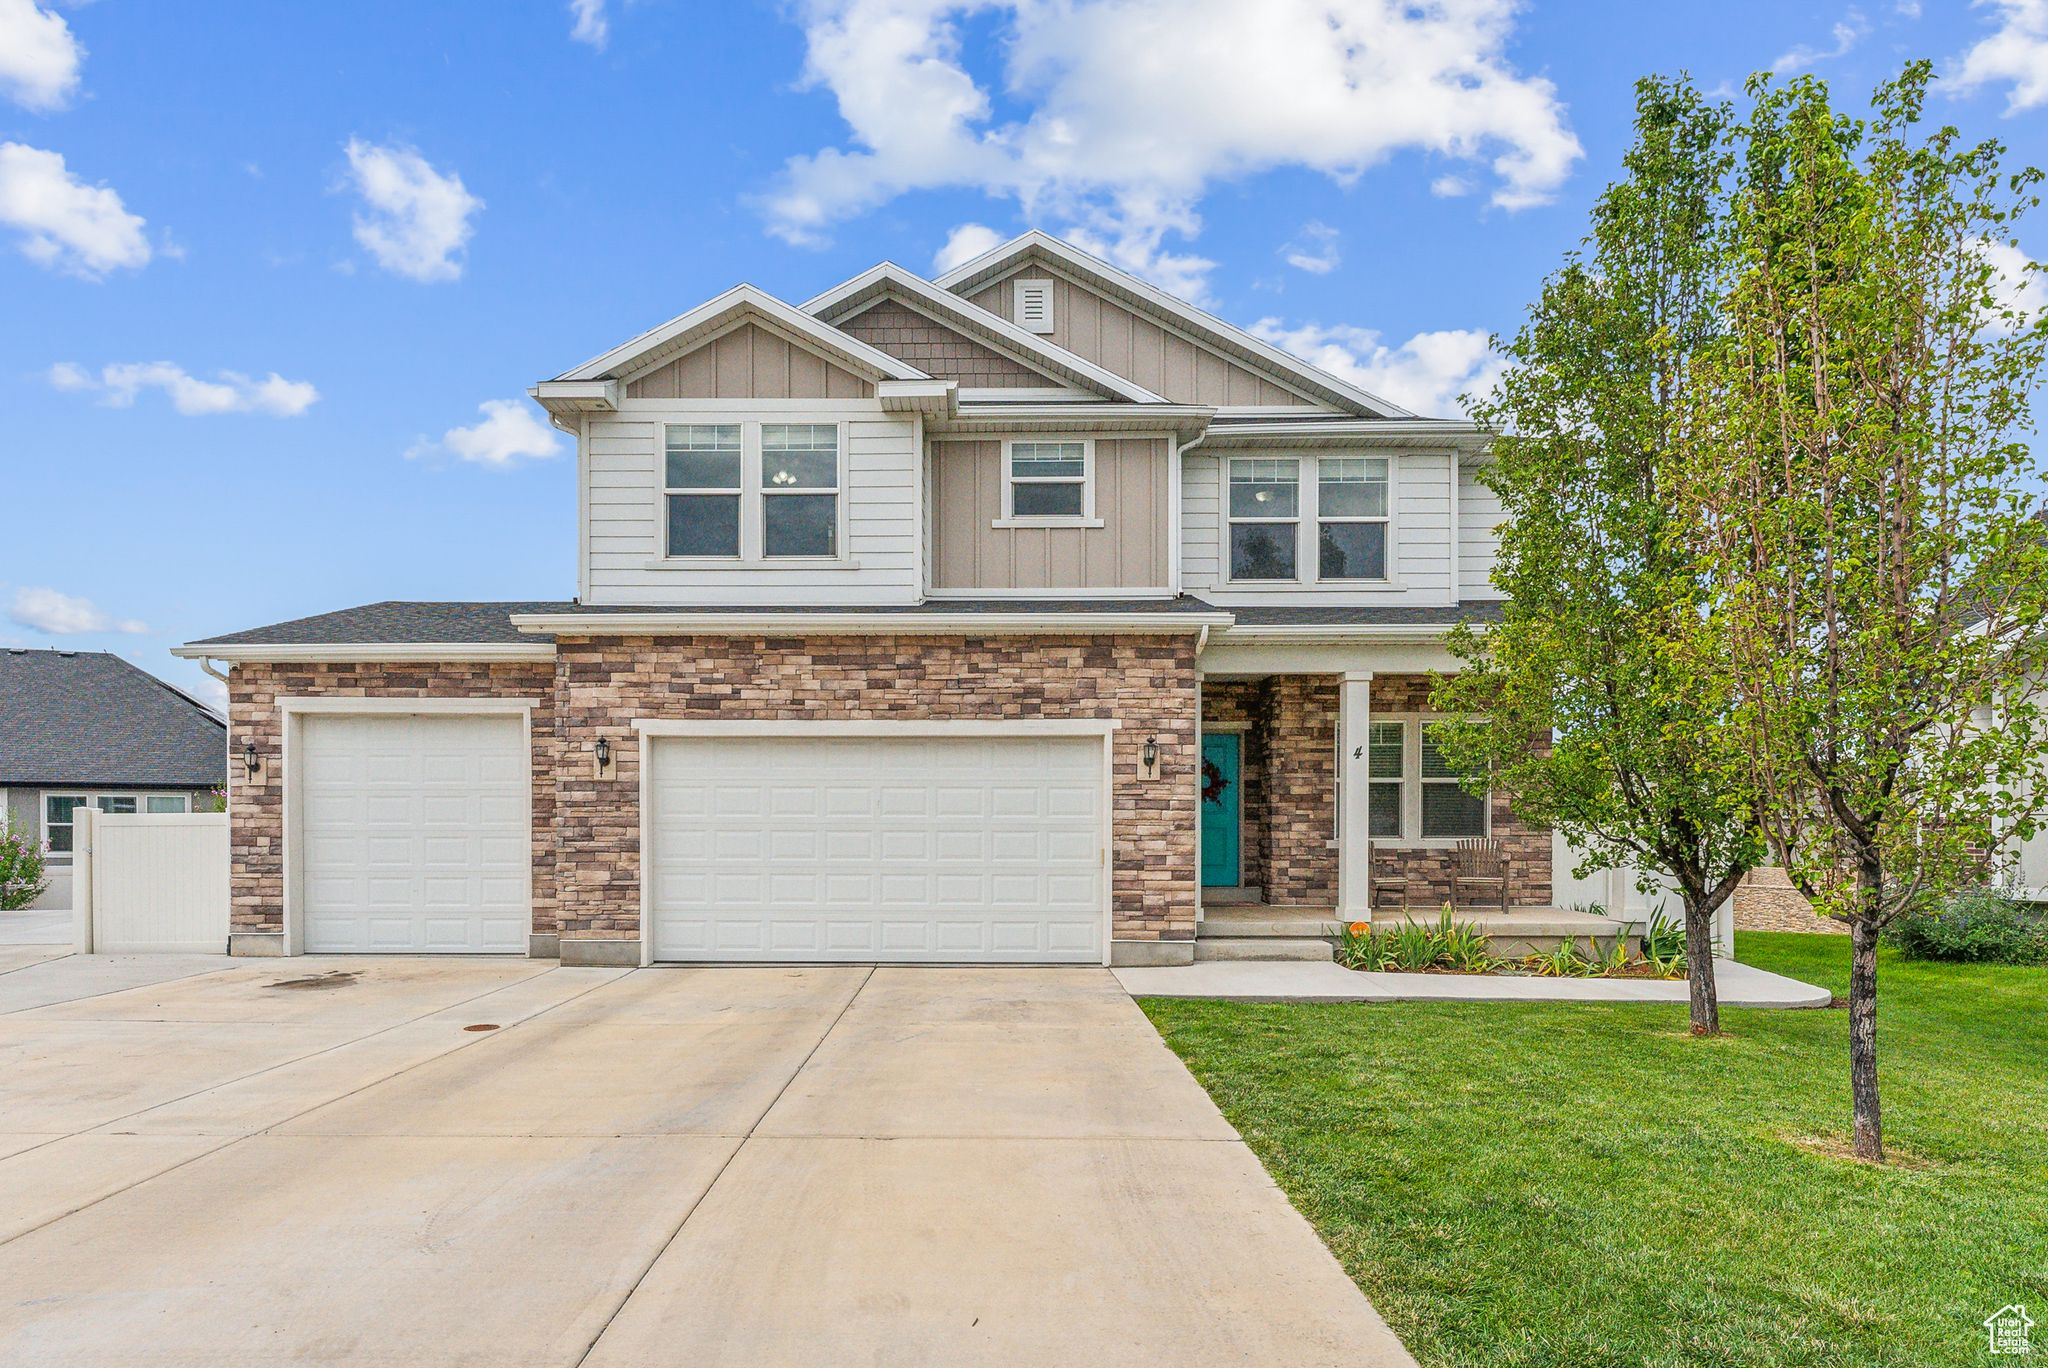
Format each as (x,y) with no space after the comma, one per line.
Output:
(1865,487)
(1599,590)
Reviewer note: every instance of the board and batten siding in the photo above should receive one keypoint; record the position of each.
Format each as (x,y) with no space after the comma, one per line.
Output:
(1420,534)
(1171,365)
(1479,515)
(749,362)
(1128,552)
(623,462)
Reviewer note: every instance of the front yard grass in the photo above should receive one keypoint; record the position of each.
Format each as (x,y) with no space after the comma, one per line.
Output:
(1585,1184)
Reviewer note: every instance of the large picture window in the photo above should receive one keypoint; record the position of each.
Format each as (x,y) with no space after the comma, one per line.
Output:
(1265,518)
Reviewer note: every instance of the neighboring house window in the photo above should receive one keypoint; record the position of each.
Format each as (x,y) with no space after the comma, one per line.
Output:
(1048,480)
(166,802)
(57,820)
(60,821)
(799,489)
(1447,810)
(703,489)
(1265,518)
(1351,518)
(1386,762)
(1346,500)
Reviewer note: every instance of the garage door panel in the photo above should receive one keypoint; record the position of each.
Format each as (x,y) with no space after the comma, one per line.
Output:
(414,834)
(935,848)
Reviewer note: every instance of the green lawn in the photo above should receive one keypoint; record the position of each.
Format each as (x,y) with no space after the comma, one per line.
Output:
(1587,1184)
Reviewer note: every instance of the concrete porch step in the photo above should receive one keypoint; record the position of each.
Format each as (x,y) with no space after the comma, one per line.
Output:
(1284,922)
(1261,948)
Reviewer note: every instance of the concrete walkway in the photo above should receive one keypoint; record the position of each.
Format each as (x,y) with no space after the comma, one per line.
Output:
(333,1160)
(1740,985)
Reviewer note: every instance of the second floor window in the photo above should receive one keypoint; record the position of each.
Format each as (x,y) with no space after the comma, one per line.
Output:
(752,491)
(1265,518)
(1272,503)
(1048,480)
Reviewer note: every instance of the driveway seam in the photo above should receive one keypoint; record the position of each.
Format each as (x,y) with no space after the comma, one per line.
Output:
(108,992)
(745,1140)
(232,1140)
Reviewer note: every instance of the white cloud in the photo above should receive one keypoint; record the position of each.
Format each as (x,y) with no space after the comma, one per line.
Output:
(1425,374)
(210,691)
(47,611)
(65,223)
(1114,137)
(2016,53)
(1314,251)
(1848,31)
(39,56)
(1451,187)
(2018,285)
(591,26)
(963,245)
(228,392)
(419,219)
(509,431)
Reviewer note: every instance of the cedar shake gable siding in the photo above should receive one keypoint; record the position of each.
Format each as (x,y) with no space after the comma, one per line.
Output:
(939,351)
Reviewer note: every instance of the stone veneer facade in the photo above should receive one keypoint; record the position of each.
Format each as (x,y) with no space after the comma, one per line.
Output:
(1290,759)
(586,846)
(256,806)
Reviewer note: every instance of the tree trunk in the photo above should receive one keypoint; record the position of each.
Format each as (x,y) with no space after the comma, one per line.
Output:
(1705,996)
(1863,1030)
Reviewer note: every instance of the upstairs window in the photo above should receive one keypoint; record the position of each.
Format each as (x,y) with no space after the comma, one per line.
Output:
(799,489)
(1351,518)
(702,489)
(1048,481)
(1265,518)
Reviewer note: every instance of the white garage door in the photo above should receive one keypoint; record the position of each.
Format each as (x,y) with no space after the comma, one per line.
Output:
(414,834)
(939,849)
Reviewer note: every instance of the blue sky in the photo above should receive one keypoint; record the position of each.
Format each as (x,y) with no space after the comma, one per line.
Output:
(263,267)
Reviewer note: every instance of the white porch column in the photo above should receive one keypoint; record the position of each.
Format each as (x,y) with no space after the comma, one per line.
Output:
(1354,831)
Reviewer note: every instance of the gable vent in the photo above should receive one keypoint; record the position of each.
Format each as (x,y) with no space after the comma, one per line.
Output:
(1034,305)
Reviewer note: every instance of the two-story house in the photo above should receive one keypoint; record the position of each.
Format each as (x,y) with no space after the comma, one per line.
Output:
(994,617)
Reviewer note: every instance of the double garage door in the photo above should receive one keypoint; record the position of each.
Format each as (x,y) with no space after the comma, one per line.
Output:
(414,838)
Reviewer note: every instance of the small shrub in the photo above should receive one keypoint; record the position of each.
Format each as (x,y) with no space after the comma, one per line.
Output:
(1980,927)
(1664,940)
(1413,946)
(22,874)
(1563,960)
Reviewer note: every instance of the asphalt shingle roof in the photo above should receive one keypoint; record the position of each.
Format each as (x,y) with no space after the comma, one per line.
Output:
(89,718)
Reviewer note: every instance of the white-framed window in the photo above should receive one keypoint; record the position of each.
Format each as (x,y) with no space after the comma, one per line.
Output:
(1351,518)
(752,492)
(1309,519)
(1264,507)
(1049,481)
(60,820)
(1412,794)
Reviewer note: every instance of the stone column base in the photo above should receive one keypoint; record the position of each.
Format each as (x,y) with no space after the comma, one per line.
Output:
(612,954)
(260,944)
(1151,952)
(543,947)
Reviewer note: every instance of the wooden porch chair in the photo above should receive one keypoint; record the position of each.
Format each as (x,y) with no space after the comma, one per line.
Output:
(1479,863)
(1388,890)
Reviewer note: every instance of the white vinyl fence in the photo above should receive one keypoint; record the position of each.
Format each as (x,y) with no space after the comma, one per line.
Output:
(150,883)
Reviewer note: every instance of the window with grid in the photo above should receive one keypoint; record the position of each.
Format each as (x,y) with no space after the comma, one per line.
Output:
(1386,764)
(1265,518)
(1351,518)
(701,488)
(1048,479)
(1447,810)
(799,489)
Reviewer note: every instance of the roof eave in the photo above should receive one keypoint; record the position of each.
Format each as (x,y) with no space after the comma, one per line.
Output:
(862,624)
(368,652)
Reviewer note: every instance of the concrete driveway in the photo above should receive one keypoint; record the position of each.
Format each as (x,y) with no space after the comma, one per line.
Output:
(326,1160)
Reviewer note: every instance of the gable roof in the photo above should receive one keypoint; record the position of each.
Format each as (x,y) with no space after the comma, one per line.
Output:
(888,280)
(686,330)
(1128,289)
(89,718)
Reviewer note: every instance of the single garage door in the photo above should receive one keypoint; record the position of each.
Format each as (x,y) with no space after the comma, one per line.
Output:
(905,848)
(414,834)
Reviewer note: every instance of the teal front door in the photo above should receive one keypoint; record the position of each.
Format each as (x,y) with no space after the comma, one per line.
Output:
(1221,807)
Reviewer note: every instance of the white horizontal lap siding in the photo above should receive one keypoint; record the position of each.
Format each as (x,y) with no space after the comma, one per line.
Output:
(1479,514)
(1422,526)
(1201,522)
(623,542)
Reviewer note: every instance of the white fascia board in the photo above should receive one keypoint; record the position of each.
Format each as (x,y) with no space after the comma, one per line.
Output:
(881,279)
(370,652)
(862,624)
(1411,433)
(938,398)
(748,298)
(1336,632)
(993,261)
(1186,421)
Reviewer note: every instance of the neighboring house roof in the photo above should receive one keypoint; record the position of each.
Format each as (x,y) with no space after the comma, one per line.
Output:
(888,280)
(86,718)
(394,622)
(1000,261)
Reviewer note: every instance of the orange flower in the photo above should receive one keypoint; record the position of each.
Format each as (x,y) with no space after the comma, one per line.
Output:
(1360,928)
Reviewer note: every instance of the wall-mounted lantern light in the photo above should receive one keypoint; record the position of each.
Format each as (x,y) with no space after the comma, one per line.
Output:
(1151,753)
(604,753)
(249,759)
